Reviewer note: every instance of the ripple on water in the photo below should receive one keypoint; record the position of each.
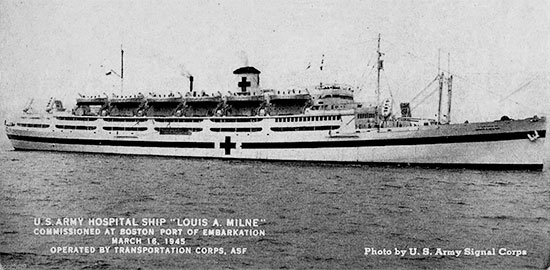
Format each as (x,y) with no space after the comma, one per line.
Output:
(317,216)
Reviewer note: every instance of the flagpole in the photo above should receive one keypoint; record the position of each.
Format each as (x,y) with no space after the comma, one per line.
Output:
(121,69)
(380,66)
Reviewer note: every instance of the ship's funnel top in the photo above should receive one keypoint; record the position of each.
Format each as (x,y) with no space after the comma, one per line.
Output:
(246,70)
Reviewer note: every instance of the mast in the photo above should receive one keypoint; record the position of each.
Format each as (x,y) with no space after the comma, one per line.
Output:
(380,66)
(440,78)
(439,61)
(449,88)
(121,69)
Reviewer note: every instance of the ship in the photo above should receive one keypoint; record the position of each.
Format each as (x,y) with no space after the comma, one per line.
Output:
(323,123)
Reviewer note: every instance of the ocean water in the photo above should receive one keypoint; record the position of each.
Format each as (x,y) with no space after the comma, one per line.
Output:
(315,216)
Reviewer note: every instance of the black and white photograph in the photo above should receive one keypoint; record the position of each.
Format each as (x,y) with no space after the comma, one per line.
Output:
(247,134)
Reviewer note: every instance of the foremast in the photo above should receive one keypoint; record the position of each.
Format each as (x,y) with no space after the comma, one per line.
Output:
(380,67)
(442,79)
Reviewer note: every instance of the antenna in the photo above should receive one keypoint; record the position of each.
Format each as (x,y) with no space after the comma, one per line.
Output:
(440,77)
(449,62)
(449,88)
(439,61)
(121,69)
(380,66)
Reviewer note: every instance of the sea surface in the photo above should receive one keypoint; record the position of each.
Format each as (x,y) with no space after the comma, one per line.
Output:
(315,216)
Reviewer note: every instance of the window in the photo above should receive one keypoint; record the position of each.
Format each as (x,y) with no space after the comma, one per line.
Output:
(246,129)
(33,125)
(178,120)
(75,127)
(304,128)
(125,119)
(176,130)
(125,128)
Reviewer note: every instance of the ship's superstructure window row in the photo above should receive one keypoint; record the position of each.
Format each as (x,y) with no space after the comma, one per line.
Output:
(224,120)
(366,115)
(125,128)
(309,118)
(304,128)
(178,120)
(65,118)
(33,125)
(177,130)
(125,119)
(251,129)
(75,127)
(347,97)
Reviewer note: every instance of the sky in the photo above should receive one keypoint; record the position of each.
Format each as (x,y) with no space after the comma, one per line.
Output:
(498,49)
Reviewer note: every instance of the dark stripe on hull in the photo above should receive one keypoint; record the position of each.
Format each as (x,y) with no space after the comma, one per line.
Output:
(394,142)
(163,144)
(473,166)
(283,145)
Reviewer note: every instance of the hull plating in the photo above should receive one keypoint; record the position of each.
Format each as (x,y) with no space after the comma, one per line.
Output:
(491,143)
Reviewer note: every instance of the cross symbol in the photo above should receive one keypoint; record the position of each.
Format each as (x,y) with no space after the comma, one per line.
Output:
(243,84)
(228,145)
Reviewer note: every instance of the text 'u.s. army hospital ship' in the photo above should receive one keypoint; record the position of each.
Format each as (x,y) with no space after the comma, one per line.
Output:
(322,124)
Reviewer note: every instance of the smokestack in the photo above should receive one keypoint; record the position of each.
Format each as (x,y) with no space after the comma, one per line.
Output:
(190,83)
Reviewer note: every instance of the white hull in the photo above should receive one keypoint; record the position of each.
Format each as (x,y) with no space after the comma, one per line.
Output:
(520,152)
(491,143)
